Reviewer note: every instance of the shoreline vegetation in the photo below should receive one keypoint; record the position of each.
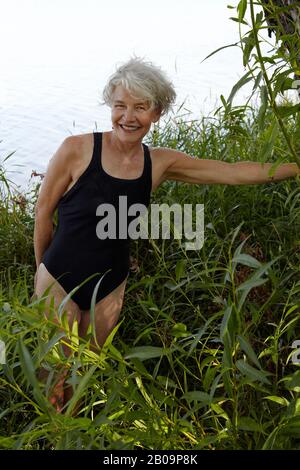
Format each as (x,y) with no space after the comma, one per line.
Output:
(204,356)
(203,360)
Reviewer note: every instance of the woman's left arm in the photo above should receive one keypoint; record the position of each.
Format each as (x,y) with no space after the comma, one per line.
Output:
(181,167)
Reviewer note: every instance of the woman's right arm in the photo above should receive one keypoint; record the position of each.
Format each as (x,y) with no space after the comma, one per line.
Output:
(57,179)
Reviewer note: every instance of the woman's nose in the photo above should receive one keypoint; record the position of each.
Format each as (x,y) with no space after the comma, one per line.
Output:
(129,114)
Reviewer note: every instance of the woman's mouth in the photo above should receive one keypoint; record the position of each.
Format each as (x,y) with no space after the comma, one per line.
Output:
(129,128)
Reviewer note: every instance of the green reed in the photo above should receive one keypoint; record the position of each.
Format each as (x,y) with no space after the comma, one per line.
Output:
(201,358)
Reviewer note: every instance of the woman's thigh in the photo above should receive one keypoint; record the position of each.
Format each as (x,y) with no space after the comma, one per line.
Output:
(107,312)
(56,293)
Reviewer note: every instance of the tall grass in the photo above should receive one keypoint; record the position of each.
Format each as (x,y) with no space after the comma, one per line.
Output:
(201,358)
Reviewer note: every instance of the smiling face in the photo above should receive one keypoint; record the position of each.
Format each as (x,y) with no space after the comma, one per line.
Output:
(131,117)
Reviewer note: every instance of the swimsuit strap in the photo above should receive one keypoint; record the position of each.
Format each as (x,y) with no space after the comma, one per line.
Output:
(96,159)
(147,173)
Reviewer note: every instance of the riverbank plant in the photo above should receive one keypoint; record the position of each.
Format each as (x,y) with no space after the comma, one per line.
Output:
(202,357)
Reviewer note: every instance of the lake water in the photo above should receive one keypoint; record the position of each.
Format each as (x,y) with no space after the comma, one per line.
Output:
(59,54)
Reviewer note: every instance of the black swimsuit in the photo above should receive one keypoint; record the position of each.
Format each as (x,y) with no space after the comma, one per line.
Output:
(76,252)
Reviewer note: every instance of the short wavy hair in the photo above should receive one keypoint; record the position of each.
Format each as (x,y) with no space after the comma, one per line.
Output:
(143,80)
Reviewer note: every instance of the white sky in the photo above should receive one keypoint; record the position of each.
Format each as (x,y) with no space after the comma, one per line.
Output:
(56,56)
(66,31)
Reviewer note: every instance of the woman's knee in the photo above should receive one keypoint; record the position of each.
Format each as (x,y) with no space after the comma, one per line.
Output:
(53,313)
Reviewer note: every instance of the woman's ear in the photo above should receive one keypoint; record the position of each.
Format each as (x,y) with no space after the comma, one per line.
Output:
(157,114)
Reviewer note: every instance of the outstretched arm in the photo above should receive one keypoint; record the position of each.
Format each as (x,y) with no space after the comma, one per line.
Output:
(182,167)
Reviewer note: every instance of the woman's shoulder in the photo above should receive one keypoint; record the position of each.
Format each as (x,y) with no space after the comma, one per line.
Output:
(162,153)
(80,147)
(78,144)
(77,150)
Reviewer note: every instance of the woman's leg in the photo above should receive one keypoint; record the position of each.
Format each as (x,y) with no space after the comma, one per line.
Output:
(107,312)
(56,295)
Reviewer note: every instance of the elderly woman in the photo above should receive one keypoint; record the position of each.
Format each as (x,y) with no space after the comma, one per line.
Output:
(91,169)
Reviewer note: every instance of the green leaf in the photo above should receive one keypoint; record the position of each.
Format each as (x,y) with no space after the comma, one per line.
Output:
(258,79)
(247,348)
(292,428)
(7,443)
(80,390)
(139,366)
(259,19)
(110,337)
(247,260)
(102,419)
(254,281)
(174,286)
(225,325)
(246,287)
(241,8)
(29,372)
(271,440)
(280,400)
(263,107)
(219,49)
(179,330)
(283,82)
(229,327)
(202,397)
(115,353)
(205,442)
(285,111)
(145,352)
(253,373)
(180,268)
(237,20)
(245,79)
(224,102)
(249,424)
(249,44)
(166,382)
(270,137)
(48,346)
(219,411)
(294,381)
(202,330)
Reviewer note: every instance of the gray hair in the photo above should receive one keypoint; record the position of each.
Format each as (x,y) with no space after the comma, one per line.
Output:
(144,80)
